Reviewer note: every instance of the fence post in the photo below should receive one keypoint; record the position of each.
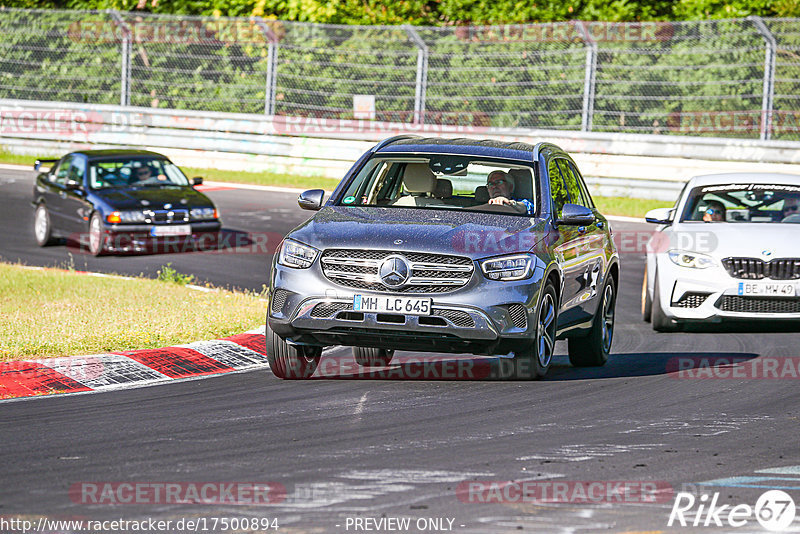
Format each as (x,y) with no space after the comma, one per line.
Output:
(769,77)
(589,77)
(272,66)
(125,70)
(421,86)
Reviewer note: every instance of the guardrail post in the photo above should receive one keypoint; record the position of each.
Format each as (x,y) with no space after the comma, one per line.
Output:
(589,77)
(421,86)
(125,56)
(768,91)
(272,66)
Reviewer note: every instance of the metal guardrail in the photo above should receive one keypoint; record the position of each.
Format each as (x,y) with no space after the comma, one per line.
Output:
(647,166)
(724,78)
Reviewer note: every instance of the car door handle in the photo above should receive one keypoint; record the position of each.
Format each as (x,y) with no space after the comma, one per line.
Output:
(581,229)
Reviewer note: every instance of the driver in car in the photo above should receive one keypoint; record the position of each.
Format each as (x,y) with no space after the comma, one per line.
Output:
(501,189)
(791,206)
(715,211)
(144,174)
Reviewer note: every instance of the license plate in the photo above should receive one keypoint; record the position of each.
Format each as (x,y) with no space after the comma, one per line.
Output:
(404,305)
(766,288)
(178,229)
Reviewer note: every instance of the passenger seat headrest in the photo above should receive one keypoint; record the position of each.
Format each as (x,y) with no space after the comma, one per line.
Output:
(418,178)
(482,194)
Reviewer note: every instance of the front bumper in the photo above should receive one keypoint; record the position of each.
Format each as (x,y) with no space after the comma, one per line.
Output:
(139,238)
(712,295)
(483,317)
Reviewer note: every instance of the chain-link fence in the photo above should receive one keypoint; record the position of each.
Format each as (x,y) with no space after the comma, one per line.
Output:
(730,78)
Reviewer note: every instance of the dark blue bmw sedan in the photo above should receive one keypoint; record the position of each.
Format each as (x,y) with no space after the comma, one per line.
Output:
(121,201)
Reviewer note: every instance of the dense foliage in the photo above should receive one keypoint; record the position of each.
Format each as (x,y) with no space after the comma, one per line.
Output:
(442,12)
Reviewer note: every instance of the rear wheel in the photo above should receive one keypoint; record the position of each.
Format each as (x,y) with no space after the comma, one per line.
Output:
(41,226)
(661,323)
(593,350)
(97,237)
(534,362)
(290,361)
(369,357)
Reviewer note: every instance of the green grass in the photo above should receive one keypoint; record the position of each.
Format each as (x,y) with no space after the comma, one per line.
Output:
(626,206)
(54,312)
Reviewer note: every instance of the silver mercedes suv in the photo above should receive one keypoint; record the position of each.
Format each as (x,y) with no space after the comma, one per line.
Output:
(447,245)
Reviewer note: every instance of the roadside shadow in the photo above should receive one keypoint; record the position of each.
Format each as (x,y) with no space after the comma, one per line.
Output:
(436,367)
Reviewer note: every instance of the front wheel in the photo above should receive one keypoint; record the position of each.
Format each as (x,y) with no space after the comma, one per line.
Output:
(534,362)
(369,357)
(290,361)
(593,350)
(41,226)
(97,237)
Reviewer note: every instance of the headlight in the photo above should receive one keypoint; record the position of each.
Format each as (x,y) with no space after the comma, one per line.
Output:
(125,217)
(297,255)
(200,214)
(693,260)
(507,268)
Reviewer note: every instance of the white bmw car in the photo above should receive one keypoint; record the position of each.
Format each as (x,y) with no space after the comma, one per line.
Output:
(728,250)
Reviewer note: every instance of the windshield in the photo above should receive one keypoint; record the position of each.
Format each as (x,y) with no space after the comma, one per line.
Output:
(737,203)
(136,172)
(443,182)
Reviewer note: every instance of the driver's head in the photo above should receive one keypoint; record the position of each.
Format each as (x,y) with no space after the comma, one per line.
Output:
(715,211)
(499,184)
(791,206)
(142,173)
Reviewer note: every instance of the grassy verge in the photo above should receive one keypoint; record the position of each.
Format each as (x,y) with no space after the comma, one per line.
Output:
(51,312)
(629,207)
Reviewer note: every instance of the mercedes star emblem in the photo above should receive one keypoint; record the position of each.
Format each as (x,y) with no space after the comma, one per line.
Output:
(394,271)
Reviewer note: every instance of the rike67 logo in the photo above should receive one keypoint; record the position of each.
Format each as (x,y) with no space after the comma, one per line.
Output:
(774,510)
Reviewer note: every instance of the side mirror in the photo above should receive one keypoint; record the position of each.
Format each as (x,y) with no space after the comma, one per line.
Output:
(72,185)
(311,199)
(659,216)
(197,180)
(574,215)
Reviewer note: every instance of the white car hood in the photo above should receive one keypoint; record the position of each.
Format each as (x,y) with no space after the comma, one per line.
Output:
(751,240)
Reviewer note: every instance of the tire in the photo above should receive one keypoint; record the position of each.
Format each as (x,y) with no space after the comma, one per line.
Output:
(97,238)
(372,357)
(534,362)
(290,362)
(661,323)
(593,350)
(647,303)
(42,230)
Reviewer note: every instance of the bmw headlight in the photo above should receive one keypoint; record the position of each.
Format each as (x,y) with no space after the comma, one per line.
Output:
(203,214)
(693,260)
(125,217)
(507,268)
(297,255)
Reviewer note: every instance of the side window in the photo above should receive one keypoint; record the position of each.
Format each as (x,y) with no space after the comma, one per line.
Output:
(63,170)
(572,184)
(557,189)
(584,190)
(76,169)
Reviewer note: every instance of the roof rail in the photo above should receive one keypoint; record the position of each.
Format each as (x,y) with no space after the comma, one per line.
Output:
(395,138)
